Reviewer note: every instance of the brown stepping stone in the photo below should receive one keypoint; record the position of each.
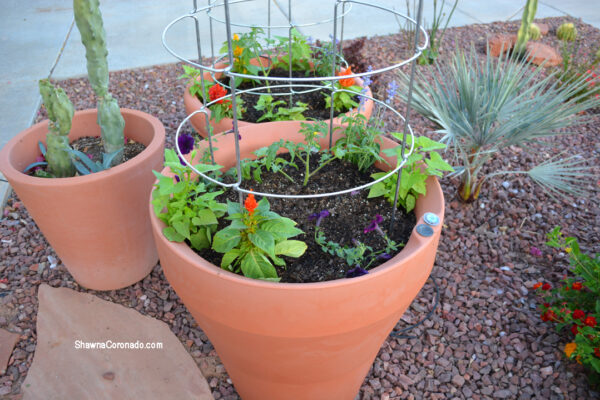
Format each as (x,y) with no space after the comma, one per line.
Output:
(539,52)
(543,53)
(501,43)
(7,343)
(68,319)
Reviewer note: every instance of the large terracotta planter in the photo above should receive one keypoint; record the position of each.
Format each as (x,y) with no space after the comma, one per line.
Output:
(298,341)
(98,224)
(192,103)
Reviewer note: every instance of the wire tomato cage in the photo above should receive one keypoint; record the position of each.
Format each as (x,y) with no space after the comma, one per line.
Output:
(224,64)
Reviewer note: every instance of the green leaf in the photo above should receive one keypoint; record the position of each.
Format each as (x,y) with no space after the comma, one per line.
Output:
(199,240)
(281,228)
(226,239)
(182,227)
(427,144)
(172,235)
(229,258)
(410,202)
(233,208)
(263,240)
(436,161)
(377,190)
(205,217)
(290,248)
(255,265)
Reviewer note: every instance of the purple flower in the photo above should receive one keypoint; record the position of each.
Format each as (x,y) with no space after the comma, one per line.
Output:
(535,251)
(374,225)
(177,178)
(354,192)
(391,91)
(384,256)
(185,143)
(319,216)
(356,271)
(368,80)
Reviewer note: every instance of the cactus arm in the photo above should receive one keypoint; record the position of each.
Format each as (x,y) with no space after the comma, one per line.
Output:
(60,114)
(112,125)
(89,22)
(523,34)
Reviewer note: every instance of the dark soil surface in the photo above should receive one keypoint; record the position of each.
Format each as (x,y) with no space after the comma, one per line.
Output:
(350,215)
(485,340)
(316,107)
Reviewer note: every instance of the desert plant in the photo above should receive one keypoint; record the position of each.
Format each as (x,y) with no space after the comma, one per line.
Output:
(60,114)
(430,54)
(484,108)
(524,30)
(566,32)
(534,32)
(89,22)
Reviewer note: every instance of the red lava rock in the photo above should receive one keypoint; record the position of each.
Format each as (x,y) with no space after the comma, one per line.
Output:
(500,43)
(542,53)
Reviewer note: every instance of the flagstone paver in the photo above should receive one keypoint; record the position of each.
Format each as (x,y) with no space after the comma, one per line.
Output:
(7,343)
(68,319)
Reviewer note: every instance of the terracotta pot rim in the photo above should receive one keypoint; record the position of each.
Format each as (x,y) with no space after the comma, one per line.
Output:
(397,261)
(157,140)
(196,104)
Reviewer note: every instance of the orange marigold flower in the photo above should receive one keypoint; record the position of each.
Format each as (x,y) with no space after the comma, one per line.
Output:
(590,321)
(348,81)
(577,286)
(537,285)
(238,51)
(570,348)
(250,204)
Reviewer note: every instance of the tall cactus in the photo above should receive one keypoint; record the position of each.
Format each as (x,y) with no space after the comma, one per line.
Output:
(60,113)
(523,34)
(93,37)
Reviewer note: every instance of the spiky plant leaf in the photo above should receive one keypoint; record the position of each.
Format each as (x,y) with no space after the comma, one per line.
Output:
(562,175)
(482,107)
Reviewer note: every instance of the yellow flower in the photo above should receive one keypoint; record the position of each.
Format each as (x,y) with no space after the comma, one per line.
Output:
(570,348)
(568,249)
(238,51)
(236,37)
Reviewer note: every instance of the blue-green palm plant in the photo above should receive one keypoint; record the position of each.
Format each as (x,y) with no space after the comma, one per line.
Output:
(482,108)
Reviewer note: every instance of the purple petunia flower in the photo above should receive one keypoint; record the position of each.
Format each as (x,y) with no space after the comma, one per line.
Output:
(356,272)
(185,143)
(177,178)
(181,161)
(535,251)
(319,216)
(384,256)
(374,225)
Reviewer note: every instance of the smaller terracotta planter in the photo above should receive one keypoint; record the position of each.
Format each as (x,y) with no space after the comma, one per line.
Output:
(192,103)
(98,224)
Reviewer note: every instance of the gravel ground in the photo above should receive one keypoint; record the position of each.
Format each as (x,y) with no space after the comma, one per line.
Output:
(485,340)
